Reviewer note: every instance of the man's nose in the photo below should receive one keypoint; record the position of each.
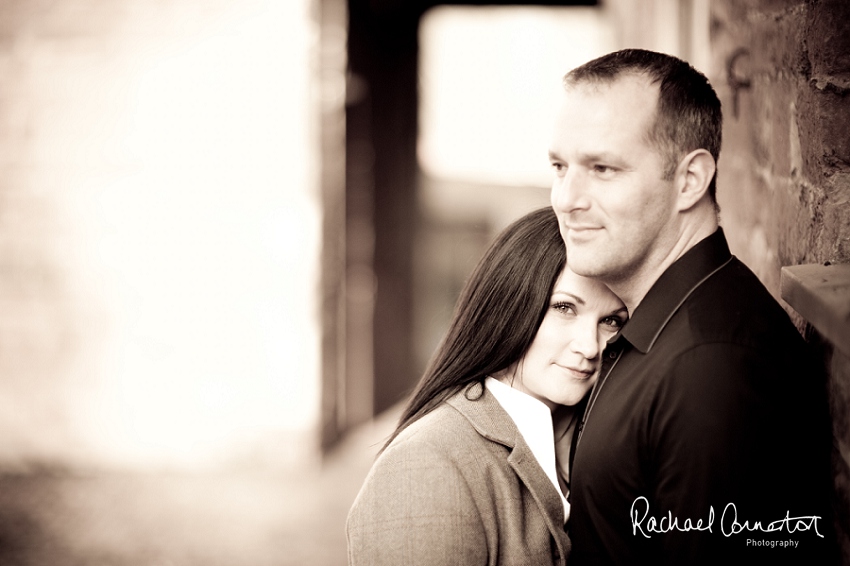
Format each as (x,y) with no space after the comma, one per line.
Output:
(568,192)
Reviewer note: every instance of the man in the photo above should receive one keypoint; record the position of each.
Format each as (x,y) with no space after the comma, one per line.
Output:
(706,436)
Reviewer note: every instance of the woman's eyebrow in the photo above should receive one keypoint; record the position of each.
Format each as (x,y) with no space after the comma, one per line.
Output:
(622,309)
(576,298)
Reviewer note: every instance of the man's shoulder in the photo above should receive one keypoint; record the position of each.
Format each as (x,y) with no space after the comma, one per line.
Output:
(734,280)
(733,305)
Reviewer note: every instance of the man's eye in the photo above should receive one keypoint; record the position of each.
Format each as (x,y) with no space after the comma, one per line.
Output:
(603,169)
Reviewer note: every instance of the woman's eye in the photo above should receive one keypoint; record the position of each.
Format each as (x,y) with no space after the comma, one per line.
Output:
(613,322)
(565,308)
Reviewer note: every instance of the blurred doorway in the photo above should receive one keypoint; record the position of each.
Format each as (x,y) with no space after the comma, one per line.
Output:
(418,209)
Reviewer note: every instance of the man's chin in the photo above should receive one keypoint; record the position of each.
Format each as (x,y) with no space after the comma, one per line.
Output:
(583,241)
(584,264)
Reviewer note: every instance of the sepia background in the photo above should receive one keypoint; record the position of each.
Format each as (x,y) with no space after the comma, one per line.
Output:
(233,231)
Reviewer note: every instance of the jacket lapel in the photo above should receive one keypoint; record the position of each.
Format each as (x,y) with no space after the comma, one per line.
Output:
(492,422)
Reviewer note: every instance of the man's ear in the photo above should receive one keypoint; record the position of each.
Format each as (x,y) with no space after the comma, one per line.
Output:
(693,175)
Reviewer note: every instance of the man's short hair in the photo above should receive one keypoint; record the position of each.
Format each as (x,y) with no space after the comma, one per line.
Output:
(688,115)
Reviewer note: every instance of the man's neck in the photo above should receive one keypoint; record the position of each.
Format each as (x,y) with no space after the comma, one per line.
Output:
(634,286)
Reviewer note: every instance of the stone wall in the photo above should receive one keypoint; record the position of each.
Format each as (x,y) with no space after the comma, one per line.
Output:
(782,70)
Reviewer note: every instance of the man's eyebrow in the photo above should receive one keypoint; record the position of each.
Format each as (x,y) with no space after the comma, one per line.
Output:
(586,157)
(599,156)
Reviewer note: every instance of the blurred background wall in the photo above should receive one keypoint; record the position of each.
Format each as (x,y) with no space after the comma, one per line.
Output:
(232,232)
(159,233)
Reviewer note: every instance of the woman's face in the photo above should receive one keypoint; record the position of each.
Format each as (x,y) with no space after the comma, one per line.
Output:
(563,361)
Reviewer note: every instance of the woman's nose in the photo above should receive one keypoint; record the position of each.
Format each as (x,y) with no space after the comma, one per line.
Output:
(585,341)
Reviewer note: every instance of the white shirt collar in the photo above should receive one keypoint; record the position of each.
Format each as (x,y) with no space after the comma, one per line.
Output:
(533,419)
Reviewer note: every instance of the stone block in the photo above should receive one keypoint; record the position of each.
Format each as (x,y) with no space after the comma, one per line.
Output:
(821,294)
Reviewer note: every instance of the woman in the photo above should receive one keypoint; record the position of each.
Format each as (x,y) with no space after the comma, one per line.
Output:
(476,471)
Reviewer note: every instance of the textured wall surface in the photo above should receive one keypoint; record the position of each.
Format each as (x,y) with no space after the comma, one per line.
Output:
(784,172)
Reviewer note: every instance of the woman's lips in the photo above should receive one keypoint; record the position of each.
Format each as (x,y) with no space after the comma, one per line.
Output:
(580,373)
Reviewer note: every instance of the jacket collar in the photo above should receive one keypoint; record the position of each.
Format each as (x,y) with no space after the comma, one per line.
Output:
(674,286)
(486,415)
(490,420)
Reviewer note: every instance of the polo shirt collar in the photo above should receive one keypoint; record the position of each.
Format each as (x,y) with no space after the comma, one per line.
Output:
(674,286)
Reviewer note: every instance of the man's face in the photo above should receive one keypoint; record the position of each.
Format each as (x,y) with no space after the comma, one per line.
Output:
(617,215)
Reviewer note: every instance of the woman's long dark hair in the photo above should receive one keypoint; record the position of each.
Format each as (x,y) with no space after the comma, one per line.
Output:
(498,312)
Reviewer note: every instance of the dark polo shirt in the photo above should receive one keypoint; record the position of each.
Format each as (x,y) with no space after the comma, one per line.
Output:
(709,416)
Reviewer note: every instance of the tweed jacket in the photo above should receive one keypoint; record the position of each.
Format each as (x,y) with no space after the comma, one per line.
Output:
(458,487)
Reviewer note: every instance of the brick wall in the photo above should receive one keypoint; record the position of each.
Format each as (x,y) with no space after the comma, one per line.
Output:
(784,172)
